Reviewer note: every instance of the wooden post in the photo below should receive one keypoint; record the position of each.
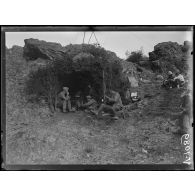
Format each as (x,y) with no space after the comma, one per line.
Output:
(84,38)
(103,85)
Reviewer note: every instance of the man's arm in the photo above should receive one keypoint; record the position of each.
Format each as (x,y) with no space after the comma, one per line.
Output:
(62,96)
(110,99)
(88,103)
(67,97)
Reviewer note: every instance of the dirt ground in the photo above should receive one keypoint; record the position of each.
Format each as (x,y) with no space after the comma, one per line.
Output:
(143,137)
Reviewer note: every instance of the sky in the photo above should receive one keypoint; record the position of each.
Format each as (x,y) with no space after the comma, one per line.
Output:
(118,42)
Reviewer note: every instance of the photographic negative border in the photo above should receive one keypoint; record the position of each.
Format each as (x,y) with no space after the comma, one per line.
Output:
(109,167)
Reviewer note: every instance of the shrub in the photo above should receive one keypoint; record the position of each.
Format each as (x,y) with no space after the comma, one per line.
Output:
(135,56)
(43,84)
(76,68)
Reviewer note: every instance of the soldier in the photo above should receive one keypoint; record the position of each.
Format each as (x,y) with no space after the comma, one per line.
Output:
(170,79)
(65,99)
(79,100)
(179,80)
(169,82)
(90,105)
(112,104)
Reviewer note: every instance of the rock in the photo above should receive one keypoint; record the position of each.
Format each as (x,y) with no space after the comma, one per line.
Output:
(35,49)
(140,156)
(144,151)
(169,56)
(166,49)
(159,77)
(145,81)
(187,46)
(51,139)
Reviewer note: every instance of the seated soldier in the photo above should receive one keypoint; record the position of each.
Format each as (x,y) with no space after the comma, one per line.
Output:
(179,80)
(170,80)
(88,91)
(170,76)
(65,99)
(90,105)
(79,100)
(112,104)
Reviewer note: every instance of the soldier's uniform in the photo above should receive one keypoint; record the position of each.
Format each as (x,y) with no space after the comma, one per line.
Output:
(111,106)
(65,99)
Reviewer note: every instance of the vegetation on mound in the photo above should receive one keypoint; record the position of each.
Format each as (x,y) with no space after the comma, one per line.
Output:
(136,56)
(166,56)
(76,67)
(19,111)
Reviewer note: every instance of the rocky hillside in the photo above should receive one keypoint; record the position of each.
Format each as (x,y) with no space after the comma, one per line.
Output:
(80,64)
(20,111)
(35,136)
(35,49)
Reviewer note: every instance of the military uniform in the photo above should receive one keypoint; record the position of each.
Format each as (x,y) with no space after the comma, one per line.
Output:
(113,104)
(65,99)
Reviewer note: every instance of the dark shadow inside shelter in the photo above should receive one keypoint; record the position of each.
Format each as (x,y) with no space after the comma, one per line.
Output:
(80,82)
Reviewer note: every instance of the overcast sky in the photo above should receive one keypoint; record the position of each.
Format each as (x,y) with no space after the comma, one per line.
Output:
(118,42)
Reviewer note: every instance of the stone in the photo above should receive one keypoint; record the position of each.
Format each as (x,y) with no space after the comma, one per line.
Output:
(52,139)
(159,77)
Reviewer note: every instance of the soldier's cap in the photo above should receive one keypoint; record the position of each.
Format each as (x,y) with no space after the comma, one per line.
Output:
(88,97)
(65,88)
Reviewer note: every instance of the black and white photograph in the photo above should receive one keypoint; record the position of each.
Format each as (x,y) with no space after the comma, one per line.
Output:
(97,97)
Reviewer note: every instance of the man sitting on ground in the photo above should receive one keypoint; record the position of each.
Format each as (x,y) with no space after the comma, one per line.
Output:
(90,105)
(170,80)
(78,100)
(112,104)
(65,99)
(179,80)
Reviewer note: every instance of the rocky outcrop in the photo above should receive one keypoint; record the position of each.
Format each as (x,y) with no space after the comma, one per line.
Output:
(35,49)
(170,56)
(166,50)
